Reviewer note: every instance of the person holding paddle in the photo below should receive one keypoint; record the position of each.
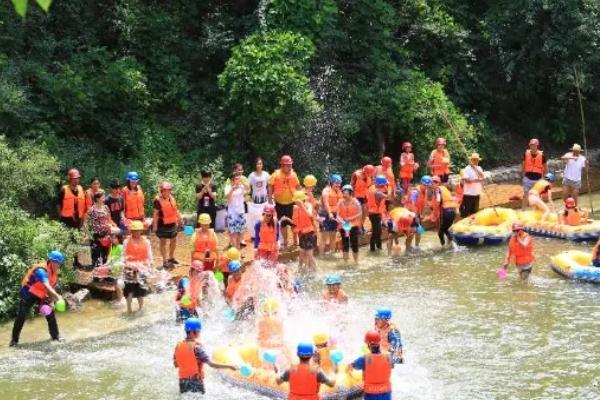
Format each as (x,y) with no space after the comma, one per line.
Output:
(473,179)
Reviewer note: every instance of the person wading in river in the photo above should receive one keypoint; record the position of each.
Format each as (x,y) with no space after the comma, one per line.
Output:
(520,246)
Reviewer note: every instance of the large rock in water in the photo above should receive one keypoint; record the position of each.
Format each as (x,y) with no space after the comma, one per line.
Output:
(74,300)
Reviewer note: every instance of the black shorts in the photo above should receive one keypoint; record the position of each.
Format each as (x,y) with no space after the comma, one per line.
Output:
(193,385)
(362,200)
(444,178)
(168,231)
(307,241)
(137,289)
(284,210)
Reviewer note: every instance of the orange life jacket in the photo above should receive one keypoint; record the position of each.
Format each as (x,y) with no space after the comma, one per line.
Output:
(377,373)
(361,184)
(333,197)
(448,200)
(459,193)
(168,209)
(540,187)
(339,297)
(284,183)
(133,201)
(573,217)
(71,203)
(415,199)
(407,165)
(187,363)
(137,251)
(37,288)
(205,241)
(324,358)
(384,332)
(404,223)
(534,164)
(345,212)
(302,219)
(267,237)
(439,166)
(270,332)
(232,287)
(304,384)
(373,207)
(523,255)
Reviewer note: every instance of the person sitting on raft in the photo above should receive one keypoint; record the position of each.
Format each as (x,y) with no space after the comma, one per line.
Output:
(270,331)
(190,357)
(572,215)
(189,292)
(304,222)
(137,254)
(334,292)
(205,243)
(391,340)
(39,286)
(520,246)
(323,348)
(266,236)
(541,187)
(349,217)
(305,380)
(377,369)
(596,255)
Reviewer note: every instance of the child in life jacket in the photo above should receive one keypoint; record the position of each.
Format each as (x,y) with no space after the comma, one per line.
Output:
(572,215)
(334,292)
(189,358)
(391,341)
(322,356)
(189,293)
(377,369)
(305,379)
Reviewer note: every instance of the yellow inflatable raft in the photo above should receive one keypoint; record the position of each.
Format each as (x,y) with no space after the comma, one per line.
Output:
(262,378)
(576,264)
(488,226)
(551,228)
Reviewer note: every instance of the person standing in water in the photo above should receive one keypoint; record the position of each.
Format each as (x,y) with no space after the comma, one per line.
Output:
(520,246)
(391,340)
(361,181)
(189,358)
(439,161)
(304,220)
(305,380)
(377,369)
(39,287)
(330,196)
(349,217)
(137,254)
(236,217)
(206,195)
(533,169)
(334,292)
(166,221)
(266,236)
(258,180)
(282,185)
(473,179)
(446,205)
(377,209)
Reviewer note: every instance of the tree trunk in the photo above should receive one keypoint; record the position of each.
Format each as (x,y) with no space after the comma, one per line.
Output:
(380,138)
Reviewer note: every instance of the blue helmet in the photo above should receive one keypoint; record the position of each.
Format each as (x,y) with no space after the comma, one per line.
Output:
(193,325)
(383,313)
(550,176)
(426,180)
(381,180)
(333,280)
(335,178)
(347,188)
(305,349)
(56,256)
(234,266)
(133,176)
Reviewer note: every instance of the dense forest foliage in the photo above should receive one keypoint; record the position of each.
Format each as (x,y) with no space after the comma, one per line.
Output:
(170,87)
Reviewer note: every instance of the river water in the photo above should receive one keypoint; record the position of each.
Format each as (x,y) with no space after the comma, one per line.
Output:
(466,334)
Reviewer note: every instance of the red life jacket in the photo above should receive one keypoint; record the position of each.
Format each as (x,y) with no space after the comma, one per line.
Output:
(377,373)
(168,209)
(302,219)
(187,363)
(137,251)
(37,288)
(345,211)
(267,237)
(361,184)
(523,255)
(205,241)
(304,384)
(73,206)
(534,164)
(134,203)
(373,207)
(407,165)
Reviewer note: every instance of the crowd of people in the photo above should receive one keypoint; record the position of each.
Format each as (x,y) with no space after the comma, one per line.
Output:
(278,210)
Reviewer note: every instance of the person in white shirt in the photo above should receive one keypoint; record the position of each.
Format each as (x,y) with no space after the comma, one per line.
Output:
(472,186)
(258,181)
(574,164)
(236,217)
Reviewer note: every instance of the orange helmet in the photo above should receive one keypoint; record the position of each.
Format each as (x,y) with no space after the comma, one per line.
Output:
(286,160)
(406,144)
(570,202)
(368,170)
(73,174)
(166,186)
(534,142)
(386,162)
(439,141)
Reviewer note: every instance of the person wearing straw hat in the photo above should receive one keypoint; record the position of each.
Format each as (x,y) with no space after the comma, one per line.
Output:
(574,165)
(473,179)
